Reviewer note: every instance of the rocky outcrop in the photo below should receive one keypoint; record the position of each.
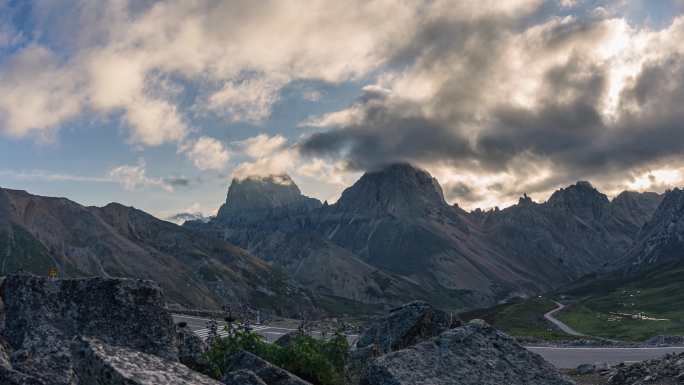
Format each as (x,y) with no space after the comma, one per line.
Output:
(399,189)
(667,370)
(405,326)
(191,350)
(242,363)
(255,197)
(41,317)
(99,363)
(242,377)
(468,355)
(661,240)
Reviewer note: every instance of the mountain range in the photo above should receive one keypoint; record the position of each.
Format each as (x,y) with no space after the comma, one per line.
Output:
(390,238)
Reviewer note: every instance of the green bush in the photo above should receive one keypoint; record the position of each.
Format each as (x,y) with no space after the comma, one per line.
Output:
(320,362)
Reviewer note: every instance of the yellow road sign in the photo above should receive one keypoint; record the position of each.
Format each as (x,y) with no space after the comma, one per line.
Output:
(53,272)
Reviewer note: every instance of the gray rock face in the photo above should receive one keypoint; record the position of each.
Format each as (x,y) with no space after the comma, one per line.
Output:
(397,189)
(242,377)
(42,316)
(661,240)
(191,350)
(264,370)
(405,326)
(256,197)
(99,363)
(667,370)
(468,355)
(586,369)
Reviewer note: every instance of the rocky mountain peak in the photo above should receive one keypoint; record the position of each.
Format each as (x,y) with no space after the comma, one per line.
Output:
(525,200)
(582,199)
(662,238)
(397,188)
(256,193)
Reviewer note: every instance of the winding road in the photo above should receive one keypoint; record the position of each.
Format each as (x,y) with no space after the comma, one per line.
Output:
(562,326)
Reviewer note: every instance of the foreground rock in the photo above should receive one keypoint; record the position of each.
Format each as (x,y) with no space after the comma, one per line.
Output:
(41,318)
(669,369)
(406,325)
(191,350)
(468,355)
(99,363)
(246,367)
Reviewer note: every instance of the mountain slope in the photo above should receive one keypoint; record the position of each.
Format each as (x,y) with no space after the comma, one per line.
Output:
(396,219)
(393,225)
(37,233)
(577,231)
(646,281)
(661,240)
(280,230)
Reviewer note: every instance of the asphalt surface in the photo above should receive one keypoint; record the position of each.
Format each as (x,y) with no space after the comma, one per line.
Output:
(561,357)
(568,358)
(562,326)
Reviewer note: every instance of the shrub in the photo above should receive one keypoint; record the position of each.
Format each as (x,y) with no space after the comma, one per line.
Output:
(320,362)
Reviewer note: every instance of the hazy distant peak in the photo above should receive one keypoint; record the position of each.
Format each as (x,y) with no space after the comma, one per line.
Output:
(181,218)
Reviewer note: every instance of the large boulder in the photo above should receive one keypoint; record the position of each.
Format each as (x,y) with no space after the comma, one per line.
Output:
(99,363)
(264,370)
(242,377)
(405,326)
(41,316)
(191,350)
(666,370)
(468,355)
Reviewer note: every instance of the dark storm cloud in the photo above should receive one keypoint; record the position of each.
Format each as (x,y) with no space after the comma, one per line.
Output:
(461,192)
(177,182)
(365,147)
(564,126)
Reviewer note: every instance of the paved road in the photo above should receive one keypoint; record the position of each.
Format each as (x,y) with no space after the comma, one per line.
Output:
(562,326)
(566,358)
(563,358)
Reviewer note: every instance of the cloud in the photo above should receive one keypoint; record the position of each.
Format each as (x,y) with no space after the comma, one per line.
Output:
(133,177)
(37,93)
(488,101)
(112,53)
(496,98)
(246,100)
(52,176)
(177,182)
(269,155)
(312,95)
(261,145)
(207,153)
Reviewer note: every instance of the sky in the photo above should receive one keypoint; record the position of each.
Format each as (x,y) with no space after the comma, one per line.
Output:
(160,104)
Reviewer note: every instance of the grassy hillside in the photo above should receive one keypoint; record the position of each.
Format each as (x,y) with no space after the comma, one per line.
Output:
(606,306)
(521,318)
